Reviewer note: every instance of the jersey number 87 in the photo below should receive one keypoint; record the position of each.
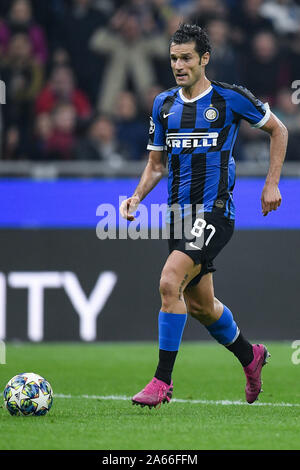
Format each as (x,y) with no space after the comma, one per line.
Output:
(199,226)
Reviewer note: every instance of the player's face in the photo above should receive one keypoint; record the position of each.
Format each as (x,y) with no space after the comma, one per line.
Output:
(186,64)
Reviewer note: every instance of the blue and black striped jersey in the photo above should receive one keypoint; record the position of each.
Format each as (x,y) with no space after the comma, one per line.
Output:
(199,136)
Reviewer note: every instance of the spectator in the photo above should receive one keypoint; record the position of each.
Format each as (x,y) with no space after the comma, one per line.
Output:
(206,10)
(130,55)
(3,39)
(49,14)
(60,57)
(147,102)
(23,77)
(289,113)
(101,143)
(223,61)
(61,89)
(43,127)
(13,145)
(4,7)
(294,56)
(254,145)
(132,132)
(265,62)
(284,14)
(61,140)
(96,50)
(185,7)
(20,20)
(78,25)
(247,21)
(152,15)
(163,71)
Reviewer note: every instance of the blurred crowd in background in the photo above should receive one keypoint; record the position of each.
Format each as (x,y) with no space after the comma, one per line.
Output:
(81,75)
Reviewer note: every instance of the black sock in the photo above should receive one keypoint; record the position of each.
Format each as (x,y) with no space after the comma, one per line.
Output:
(165,365)
(242,349)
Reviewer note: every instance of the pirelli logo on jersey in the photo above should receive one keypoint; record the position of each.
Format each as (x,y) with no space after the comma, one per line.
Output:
(192,139)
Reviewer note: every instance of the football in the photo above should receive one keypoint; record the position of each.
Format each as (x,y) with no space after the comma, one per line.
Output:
(28,394)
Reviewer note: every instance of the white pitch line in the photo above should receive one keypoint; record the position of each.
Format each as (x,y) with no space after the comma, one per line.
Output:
(179,400)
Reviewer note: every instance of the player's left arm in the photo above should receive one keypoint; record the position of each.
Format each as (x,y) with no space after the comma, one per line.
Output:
(271,197)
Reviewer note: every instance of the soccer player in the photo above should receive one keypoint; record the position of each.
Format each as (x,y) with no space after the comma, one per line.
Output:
(197,122)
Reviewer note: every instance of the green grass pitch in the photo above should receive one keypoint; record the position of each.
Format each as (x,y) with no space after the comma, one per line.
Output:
(210,413)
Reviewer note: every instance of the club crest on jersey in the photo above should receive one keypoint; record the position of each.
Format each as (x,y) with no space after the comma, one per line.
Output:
(152,126)
(211,114)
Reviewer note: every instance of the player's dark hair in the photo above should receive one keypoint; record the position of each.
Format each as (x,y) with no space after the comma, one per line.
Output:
(192,33)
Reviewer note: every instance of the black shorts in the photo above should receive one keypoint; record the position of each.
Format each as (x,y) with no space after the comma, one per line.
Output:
(203,237)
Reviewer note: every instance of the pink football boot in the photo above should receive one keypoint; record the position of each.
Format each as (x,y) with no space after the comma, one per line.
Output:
(253,372)
(156,392)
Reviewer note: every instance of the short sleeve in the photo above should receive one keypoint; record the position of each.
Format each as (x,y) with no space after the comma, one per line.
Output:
(156,130)
(246,106)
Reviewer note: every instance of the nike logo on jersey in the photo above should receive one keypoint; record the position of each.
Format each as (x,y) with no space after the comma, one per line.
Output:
(166,115)
(192,140)
(194,246)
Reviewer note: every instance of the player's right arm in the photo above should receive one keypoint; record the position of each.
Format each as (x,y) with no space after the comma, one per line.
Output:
(151,176)
(155,167)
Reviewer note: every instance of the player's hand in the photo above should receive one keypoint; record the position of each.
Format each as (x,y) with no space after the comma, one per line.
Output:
(129,206)
(270,198)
